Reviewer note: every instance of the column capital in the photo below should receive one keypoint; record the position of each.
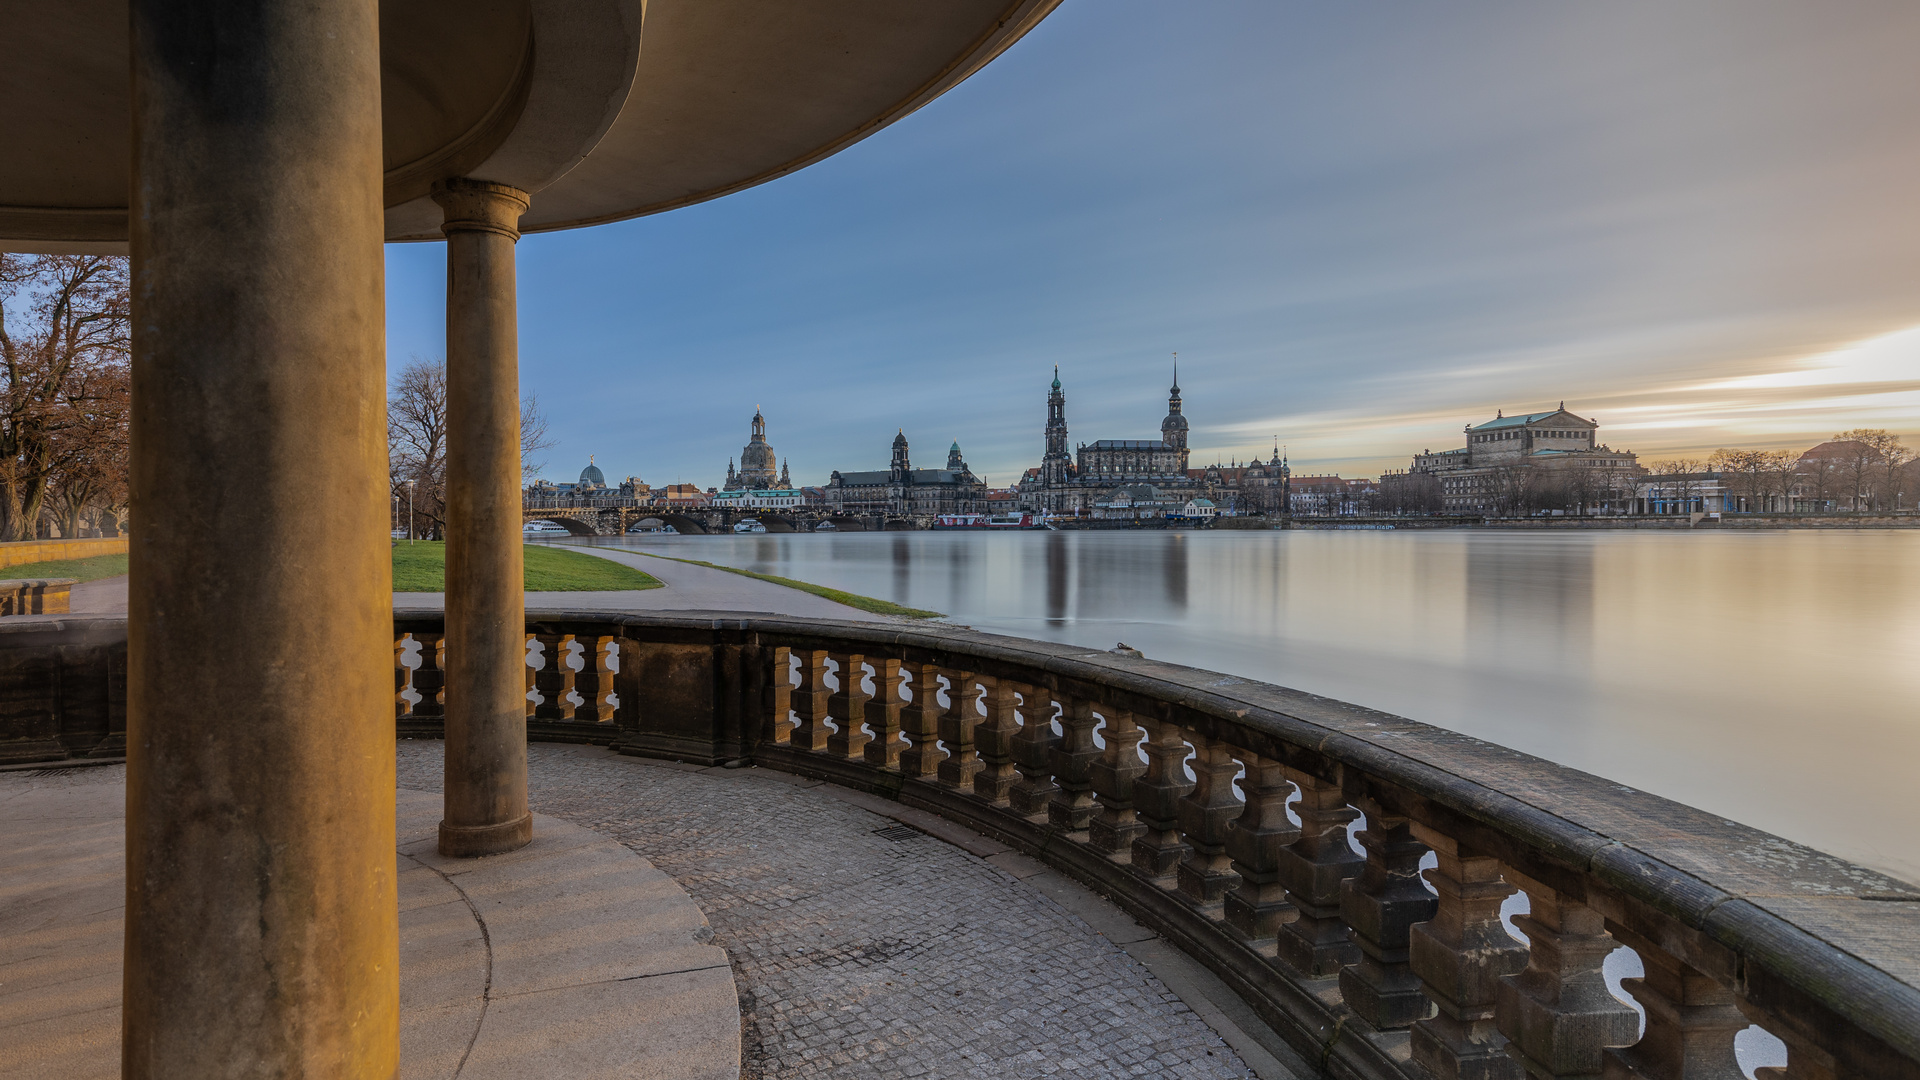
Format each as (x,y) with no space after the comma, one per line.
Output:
(480,206)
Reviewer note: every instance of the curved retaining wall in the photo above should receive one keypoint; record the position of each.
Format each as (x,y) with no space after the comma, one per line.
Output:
(22,552)
(1167,789)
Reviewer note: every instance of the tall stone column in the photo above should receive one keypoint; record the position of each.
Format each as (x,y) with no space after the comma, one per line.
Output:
(262,934)
(486,767)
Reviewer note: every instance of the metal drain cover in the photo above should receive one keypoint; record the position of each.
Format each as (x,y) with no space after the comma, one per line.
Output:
(898,832)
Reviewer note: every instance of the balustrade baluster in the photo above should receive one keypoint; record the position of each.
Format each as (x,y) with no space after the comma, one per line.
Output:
(1071,759)
(1804,1060)
(1258,907)
(849,708)
(1115,826)
(920,723)
(883,716)
(554,678)
(1557,1013)
(1156,798)
(957,726)
(1032,753)
(1691,1022)
(1206,815)
(531,674)
(1460,957)
(1381,904)
(993,740)
(1314,867)
(430,678)
(402,676)
(779,700)
(593,681)
(810,703)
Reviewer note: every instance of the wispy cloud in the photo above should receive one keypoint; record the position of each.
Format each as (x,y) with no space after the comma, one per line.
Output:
(1362,229)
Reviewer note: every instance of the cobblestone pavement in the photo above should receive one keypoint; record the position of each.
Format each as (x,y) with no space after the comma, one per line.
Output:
(862,956)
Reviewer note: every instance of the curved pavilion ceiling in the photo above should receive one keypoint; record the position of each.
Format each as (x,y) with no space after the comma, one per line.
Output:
(604,109)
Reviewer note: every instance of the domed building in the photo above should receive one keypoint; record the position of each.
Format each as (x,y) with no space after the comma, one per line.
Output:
(591,478)
(757,463)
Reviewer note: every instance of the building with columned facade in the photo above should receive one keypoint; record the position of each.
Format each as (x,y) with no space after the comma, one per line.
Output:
(1514,464)
(903,489)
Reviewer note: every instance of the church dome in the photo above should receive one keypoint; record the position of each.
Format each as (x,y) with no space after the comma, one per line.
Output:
(592,475)
(1174,422)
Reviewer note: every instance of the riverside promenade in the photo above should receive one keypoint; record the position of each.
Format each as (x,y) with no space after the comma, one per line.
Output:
(688,588)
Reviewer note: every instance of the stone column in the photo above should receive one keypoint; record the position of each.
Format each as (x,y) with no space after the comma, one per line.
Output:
(262,933)
(486,770)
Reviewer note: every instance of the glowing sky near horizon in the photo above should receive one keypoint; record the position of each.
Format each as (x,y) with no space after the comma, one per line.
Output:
(1362,226)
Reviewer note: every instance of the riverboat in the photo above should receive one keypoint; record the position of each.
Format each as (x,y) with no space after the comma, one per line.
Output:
(1019,521)
(960,521)
(748,525)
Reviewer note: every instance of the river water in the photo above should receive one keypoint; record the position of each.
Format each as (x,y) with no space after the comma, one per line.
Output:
(1772,677)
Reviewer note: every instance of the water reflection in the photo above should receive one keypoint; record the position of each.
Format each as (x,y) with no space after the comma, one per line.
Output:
(1512,588)
(1720,669)
(1056,560)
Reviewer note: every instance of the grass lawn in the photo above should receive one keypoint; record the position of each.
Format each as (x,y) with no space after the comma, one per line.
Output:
(100,566)
(422,567)
(852,600)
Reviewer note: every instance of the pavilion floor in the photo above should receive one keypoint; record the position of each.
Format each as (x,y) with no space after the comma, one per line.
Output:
(859,948)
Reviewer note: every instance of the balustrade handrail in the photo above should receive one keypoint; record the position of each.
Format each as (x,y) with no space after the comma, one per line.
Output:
(1368,971)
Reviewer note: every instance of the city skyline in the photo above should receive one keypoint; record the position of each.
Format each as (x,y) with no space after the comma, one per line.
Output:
(1354,229)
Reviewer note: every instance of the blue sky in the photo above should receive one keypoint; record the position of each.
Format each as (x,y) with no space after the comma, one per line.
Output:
(1361,226)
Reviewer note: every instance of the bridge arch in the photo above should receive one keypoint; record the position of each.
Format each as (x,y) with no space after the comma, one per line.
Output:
(573,525)
(684,525)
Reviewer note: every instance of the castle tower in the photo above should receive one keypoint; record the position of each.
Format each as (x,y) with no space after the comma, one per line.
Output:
(1173,430)
(784,482)
(956,463)
(901,467)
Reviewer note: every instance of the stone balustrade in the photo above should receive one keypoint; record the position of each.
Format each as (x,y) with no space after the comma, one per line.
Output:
(1343,870)
(36,596)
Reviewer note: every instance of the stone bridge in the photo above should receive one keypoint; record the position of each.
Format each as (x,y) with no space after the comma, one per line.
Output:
(617,520)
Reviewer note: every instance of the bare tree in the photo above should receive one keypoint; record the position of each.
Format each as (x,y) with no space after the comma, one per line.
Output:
(1410,493)
(1680,480)
(1816,478)
(63,347)
(533,437)
(1776,470)
(87,481)
(417,445)
(417,442)
(1883,460)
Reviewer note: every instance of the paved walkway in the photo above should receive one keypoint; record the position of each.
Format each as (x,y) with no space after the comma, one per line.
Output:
(570,957)
(688,588)
(867,950)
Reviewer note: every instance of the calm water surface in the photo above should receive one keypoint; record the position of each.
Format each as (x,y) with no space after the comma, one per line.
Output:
(1771,677)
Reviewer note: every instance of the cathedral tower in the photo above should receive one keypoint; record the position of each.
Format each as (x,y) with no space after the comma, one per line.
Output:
(1173,430)
(1055,465)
